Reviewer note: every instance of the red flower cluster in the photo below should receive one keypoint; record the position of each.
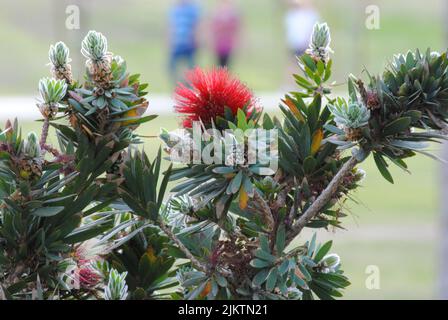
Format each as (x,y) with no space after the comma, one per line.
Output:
(88,277)
(207,93)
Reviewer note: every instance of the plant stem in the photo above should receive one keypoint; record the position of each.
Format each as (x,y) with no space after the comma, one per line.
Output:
(195,262)
(323,198)
(266,211)
(44,134)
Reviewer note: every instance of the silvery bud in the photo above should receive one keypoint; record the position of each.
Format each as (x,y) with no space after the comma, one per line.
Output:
(52,91)
(94,46)
(331,261)
(321,37)
(320,42)
(59,55)
(32,148)
(350,115)
(116,288)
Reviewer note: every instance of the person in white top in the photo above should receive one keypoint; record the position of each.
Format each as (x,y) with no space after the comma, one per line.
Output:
(299,21)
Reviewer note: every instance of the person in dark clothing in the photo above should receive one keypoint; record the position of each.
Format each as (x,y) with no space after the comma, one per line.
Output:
(184,20)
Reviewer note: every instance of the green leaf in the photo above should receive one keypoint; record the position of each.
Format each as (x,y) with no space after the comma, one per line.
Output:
(284,267)
(309,164)
(320,68)
(382,167)
(300,282)
(305,272)
(272,279)
(196,292)
(224,170)
(312,245)
(308,61)
(265,255)
(328,70)
(397,126)
(163,185)
(264,243)
(236,183)
(267,122)
(323,251)
(415,115)
(260,264)
(77,237)
(47,211)
(260,277)
(411,145)
(120,105)
(280,241)
(221,280)
(321,292)
(352,90)
(302,82)
(242,121)
(3,259)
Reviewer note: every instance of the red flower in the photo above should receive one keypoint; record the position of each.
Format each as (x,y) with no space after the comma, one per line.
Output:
(88,277)
(207,93)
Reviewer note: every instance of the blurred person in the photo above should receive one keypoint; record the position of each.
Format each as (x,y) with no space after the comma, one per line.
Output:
(299,22)
(225,27)
(184,18)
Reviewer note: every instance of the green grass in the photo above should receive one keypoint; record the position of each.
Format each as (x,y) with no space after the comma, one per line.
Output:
(406,269)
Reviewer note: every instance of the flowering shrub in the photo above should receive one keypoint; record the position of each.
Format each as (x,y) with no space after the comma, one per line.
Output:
(90,219)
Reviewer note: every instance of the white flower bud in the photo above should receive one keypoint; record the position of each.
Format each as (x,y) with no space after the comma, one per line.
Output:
(94,46)
(59,55)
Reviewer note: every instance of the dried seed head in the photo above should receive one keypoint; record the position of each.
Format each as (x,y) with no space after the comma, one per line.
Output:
(373,101)
(353,134)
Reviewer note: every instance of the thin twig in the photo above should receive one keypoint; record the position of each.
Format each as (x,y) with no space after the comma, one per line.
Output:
(44,135)
(195,262)
(323,198)
(50,149)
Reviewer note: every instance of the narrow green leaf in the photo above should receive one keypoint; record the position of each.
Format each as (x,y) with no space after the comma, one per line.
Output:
(382,167)
(397,126)
(265,255)
(280,239)
(260,277)
(323,251)
(47,211)
(272,279)
(260,264)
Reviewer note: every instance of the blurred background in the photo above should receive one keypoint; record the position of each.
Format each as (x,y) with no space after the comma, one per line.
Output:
(395,230)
